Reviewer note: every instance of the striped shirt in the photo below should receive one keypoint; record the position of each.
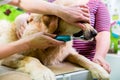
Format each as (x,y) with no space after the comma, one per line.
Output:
(100,20)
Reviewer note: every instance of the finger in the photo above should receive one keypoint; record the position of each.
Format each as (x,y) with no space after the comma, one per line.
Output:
(50,35)
(81,6)
(86,15)
(85,19)
(97,61)
(55,42)
(18,35)
(52,40)
(80,25)
(83,16)
(84,9)
(109,70)
(107,67)
(104,65)
(22,27)
(21,30)
(84,6)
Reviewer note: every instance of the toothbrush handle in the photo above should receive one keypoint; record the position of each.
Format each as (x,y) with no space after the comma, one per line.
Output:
(64,38)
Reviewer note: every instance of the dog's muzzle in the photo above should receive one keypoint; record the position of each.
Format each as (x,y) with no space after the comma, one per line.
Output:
(86,35)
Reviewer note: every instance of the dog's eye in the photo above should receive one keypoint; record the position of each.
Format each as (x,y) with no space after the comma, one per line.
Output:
(29,20)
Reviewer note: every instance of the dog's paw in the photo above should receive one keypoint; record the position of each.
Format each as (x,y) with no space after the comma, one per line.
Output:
(42,74)
(99,73)
(14,75)
(35,69)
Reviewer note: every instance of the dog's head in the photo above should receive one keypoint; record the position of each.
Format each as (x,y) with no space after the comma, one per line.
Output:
(57,26)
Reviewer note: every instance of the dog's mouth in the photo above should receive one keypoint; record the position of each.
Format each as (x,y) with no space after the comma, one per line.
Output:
(85,35)
(79,34)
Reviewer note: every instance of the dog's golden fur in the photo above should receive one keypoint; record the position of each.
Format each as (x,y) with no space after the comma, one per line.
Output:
(53,55)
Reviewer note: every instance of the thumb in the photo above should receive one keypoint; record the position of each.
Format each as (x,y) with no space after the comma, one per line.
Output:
(51,40)
(54,42)
(50,35)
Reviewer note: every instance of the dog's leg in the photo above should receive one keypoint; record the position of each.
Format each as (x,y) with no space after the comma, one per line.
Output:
(35,69)
(12,61)
(32,66)
(14,75)
(96,70)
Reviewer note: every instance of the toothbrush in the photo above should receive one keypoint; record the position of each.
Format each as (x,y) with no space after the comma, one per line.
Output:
(66,38)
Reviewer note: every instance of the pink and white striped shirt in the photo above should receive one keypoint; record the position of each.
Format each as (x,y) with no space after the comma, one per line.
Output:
(100,20)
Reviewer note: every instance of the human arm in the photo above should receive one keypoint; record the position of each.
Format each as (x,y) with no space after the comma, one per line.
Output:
(103,37)
(102,47)
(37,40)
(12,48)
(72,15)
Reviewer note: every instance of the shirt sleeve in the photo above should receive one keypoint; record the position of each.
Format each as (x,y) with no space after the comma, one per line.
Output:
(102,22)
(4,1)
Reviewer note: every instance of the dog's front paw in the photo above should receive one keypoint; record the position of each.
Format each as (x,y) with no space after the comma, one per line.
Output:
(35,69)
(99,73)
(42,74)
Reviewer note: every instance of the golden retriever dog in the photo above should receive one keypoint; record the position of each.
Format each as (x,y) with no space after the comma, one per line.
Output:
(35,62)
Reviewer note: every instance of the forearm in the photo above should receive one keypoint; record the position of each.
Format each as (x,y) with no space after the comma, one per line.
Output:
(102,43)
(37,6)
(12,48)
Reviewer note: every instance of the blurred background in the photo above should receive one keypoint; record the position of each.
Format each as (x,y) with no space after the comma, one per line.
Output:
(114,9)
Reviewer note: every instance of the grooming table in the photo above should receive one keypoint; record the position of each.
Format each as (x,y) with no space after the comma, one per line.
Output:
(68,71)
(64,71)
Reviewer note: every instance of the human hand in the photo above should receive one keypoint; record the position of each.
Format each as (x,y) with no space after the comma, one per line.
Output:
(42,40)
(75,15)
(101,61)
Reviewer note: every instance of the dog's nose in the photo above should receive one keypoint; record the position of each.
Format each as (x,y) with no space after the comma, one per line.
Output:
(90,34)
(93,33)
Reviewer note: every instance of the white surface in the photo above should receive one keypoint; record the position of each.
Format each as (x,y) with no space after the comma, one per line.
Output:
(114,61)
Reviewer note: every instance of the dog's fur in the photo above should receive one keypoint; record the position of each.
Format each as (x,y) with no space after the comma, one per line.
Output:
(53,55)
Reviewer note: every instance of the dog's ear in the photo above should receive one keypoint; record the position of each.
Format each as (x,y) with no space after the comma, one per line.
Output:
(51,22)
